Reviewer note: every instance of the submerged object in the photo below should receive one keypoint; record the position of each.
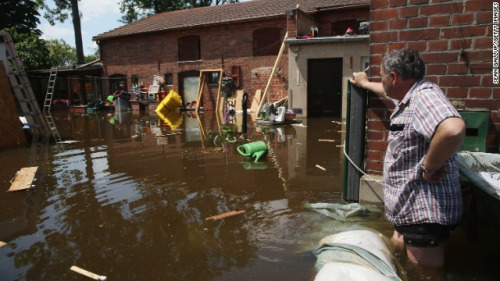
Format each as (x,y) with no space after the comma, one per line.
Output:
(170,103)
(253,149)
(122,101)
(355,255)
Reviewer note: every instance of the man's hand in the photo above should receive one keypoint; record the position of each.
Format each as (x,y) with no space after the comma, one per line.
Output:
(359,79)
(434,176)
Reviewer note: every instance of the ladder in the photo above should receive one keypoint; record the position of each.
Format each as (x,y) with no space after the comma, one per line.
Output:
(50,89)
(48,102)
(52,127)
(23,91)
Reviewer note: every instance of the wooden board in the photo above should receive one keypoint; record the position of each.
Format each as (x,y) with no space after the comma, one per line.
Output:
(256,101)
(24,179)
(237,100)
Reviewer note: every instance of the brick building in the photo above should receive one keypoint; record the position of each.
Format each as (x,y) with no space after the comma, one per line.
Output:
(455,40)
(242,39)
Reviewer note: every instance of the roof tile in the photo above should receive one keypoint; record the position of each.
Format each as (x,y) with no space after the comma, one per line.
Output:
(237,12)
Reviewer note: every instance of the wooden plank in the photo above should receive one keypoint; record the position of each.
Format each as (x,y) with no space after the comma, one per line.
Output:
(225,215)
(201,84)
(88,273)
(237,100)
(320,167)
(24,179)
(275,67)
(218,105)
(256,101)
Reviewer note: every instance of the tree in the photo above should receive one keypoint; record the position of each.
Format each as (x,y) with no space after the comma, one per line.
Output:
(61,53)
(61,13)
(32,50)
(22,15)
(134,10)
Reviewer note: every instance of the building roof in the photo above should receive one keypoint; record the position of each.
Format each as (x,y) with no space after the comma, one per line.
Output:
(222,14)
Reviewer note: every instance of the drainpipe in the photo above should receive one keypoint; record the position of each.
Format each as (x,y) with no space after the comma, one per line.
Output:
(244,107)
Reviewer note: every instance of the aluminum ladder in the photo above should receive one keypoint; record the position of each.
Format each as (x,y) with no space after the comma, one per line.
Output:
(50,89)
(48,102)
(23,91)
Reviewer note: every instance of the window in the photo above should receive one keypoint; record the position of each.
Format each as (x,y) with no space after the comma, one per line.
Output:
(169,79)
(135,84)
(213,78)
(266,42)
(118,82)
(189,48)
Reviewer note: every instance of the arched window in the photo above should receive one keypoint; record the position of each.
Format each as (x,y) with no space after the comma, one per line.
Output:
(266,42)
(189,48)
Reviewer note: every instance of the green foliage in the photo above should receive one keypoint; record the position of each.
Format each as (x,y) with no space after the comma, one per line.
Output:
(61,53)
(60,13)
(134,10)
(22,15)
(32,50)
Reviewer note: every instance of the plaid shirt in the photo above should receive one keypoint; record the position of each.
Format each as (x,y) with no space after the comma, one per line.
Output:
(408,198)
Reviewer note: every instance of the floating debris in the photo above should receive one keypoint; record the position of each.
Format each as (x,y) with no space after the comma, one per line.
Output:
(320,167)
(326,140)
(68,141)
(24,179)
(225,215)
(88,273)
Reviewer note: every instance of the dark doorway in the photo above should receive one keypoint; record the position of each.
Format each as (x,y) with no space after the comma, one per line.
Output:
(324,87)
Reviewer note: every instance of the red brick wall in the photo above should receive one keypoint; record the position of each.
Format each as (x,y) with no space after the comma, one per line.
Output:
(455,40)
(221,48)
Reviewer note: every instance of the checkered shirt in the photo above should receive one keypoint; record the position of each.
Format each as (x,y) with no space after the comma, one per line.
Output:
(408,198)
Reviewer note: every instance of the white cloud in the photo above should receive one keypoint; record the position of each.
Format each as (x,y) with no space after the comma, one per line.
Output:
(95,9)
(57,32)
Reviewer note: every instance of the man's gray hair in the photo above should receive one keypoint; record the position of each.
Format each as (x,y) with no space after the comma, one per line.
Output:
(406,63)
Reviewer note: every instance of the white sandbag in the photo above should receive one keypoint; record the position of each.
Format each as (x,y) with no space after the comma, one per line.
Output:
(355,255)
(348,272)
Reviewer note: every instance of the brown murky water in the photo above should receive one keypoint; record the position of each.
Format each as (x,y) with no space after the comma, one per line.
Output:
(129,200)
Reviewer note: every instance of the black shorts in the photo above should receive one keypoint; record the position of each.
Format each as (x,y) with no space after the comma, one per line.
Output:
(424,235)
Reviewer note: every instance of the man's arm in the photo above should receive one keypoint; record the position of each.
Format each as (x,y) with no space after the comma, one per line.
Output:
(360,79)
(445,143)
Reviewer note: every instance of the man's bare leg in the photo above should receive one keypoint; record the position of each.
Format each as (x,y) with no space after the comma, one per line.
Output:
(427,261)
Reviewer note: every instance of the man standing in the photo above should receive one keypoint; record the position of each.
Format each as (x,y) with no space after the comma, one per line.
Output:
(421,179)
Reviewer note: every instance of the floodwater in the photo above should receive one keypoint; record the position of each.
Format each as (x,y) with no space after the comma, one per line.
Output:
(128,197)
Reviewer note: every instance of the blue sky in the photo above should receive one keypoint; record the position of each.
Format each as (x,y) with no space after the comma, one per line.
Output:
(98,16)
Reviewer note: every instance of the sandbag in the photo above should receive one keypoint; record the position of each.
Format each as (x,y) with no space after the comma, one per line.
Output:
(354,255)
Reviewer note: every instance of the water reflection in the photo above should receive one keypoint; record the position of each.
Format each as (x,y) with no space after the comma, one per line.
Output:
(129,200)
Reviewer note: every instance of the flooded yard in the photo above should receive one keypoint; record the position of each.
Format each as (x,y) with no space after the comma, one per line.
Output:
(130,197)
